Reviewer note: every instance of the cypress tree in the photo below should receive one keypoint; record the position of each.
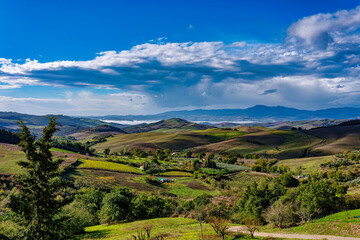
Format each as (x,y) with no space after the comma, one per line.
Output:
(37,202)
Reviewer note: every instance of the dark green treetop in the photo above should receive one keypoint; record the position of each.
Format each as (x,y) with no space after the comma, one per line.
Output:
(37,202)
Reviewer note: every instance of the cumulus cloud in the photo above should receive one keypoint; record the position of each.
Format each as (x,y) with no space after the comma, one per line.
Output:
(316,66)
(322,29)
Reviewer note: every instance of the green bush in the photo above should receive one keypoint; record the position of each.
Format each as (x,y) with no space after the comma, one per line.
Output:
(321,196)
(76,218)
(10,230)
(151,206)
(91,199)
(116,205)
(287,180)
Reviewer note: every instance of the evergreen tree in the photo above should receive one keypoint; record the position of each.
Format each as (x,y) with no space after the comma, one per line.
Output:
(37,202)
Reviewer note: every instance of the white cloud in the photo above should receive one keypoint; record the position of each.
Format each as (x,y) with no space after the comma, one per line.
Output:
(322,29)
(81,103)
(320,53)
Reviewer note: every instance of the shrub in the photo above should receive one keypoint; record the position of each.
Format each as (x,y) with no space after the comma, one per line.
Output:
(258,197)
(116,205)
(153,181)
(151,206)
(282,215)
(287,180)
(202,200)
(320,195)
(91,199)
(10,230)
(76,219)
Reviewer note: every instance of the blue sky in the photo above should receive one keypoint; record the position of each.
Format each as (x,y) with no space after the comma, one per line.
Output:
(141,57)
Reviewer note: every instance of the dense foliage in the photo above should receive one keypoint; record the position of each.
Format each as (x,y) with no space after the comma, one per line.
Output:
(8,137)
(37,203)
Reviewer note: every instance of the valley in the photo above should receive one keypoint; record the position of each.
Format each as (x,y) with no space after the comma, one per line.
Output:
(196,161)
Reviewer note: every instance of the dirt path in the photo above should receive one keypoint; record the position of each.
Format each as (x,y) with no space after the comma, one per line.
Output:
(295,235)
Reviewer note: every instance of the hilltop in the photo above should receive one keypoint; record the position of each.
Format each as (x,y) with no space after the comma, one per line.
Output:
(104,130)
(69,124)
(344,136)
(170,124)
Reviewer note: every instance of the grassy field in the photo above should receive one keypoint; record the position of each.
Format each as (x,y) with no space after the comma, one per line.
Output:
(279,143)
(172,228)
(9,156)
(103,165)
(104,178)
(175,141)
(231,167)
(340,224)
(188,188)
(182,187)
(308,165)
(282,144)
(60,150)
(176,173)
(337,139)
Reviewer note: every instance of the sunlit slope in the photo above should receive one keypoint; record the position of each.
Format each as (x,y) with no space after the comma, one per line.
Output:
(175,141)
(99,131)
(165,125)
(337,139)
(279,143)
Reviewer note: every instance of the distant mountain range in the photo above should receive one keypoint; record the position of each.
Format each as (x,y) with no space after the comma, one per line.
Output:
(258,113)
(69,125)
(276,117)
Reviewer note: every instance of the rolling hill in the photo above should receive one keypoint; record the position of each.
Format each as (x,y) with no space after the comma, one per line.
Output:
(163,140)
(98,131)
(345,136)
(281,144)
(164,125)
(70,125)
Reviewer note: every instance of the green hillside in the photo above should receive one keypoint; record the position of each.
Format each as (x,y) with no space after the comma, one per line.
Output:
(9,156)
(278,143)
(170,124)
(171,228)
(96,132)
(175,141)
(345,224)
(70,125)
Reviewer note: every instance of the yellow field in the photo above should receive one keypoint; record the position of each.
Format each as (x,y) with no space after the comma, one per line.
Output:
(92,164)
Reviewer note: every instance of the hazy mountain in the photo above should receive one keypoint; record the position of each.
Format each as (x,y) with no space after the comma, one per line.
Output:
(68,124)
(257,113)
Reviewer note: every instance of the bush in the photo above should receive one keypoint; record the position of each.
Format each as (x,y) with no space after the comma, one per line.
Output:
(150,206)
(202,200)
(117,205)
(76,219)
(153,181)
(282,215)
(238,217)
(287,180)
(10,230)
(321,196)
(91,199)
(258,197)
